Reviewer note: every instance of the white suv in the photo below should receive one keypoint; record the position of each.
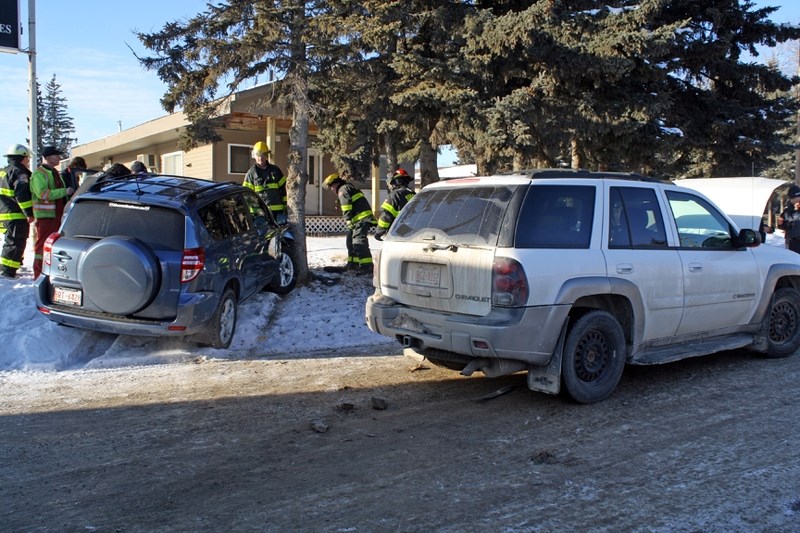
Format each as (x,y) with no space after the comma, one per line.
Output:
(571,274)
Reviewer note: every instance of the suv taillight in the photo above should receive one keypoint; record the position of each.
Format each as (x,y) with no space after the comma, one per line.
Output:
(47,252)
(509,283)
(192,263)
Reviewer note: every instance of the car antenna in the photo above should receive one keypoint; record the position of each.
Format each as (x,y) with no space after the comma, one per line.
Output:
(139,190)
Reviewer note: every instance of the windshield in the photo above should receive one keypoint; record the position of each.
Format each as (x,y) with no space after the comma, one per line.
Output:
(464,215)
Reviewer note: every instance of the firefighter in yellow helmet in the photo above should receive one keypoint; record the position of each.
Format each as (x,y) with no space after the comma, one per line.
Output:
(358,215)
(16,208)
(268,181)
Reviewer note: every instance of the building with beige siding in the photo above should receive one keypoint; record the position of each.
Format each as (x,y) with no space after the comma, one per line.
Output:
(244,119)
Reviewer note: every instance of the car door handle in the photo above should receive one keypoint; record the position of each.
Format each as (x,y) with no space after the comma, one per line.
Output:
(624,268)
(62,256)
(695,267)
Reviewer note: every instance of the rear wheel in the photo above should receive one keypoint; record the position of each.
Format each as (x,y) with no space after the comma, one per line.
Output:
(594,357)
(782,324)
(224,321)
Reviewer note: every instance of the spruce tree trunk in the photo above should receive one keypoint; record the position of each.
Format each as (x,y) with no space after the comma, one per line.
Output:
(296,181)
(576,154)
(298,141)
(390,142)
(520,162)
(428,169)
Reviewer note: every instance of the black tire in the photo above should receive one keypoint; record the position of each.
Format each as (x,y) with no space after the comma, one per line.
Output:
(782,323)
(224,321)
(594,357)
(286,278)
(120,275)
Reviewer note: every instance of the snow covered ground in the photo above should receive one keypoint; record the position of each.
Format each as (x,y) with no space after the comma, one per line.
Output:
(314,317)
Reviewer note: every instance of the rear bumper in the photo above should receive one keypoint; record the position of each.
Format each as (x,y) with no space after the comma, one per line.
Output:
(525,334)
(193,313)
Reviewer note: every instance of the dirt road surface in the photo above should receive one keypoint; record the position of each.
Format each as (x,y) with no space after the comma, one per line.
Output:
(375,443)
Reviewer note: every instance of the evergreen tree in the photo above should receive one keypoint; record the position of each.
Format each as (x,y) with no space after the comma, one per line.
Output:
(363,113)
(348,87)
(56,126)
(39,114)
(652,85)
(658,86)
(215,53)
(427,70)
(730,111)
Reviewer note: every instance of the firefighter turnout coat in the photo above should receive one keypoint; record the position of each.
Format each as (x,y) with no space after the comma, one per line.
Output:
(15,193)
(16,208)
(391,207)
(270,184)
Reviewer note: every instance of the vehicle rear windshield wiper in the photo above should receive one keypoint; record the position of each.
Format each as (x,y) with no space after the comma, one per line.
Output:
(433,247)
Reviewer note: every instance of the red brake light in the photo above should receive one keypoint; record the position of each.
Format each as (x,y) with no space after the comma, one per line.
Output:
(192,263)
(47,252)
(509,283)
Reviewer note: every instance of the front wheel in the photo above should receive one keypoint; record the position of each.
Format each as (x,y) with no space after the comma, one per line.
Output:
(594,357)
(782,323)
(286,278)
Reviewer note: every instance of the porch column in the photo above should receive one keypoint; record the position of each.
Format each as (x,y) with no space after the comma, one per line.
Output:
(376,189)
(270,137)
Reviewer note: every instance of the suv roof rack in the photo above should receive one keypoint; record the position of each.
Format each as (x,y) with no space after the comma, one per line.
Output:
(584,173)
(187,191)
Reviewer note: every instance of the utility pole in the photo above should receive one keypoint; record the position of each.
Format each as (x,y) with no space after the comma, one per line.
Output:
(33,109)
(797,134)
(797,137)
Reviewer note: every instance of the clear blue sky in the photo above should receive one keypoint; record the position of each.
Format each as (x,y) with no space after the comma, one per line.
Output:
(85,44)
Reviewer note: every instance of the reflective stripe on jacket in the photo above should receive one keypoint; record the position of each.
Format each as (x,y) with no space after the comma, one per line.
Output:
(47,189)
(270,184)
(355,207)
(15,193)
(391,207)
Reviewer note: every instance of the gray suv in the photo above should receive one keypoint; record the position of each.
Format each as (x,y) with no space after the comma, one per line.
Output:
(163,256)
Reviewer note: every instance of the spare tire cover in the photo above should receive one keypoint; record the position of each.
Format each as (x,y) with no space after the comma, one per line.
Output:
(119,274)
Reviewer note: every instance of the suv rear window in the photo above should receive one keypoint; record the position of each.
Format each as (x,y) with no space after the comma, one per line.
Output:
(556,216)
(159,227)
(466,215)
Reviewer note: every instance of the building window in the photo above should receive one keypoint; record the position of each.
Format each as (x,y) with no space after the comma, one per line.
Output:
(238,158)
(314,167)
(173,163)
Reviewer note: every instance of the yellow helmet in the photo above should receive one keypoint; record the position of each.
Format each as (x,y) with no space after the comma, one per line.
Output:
(330,180)
(260,148)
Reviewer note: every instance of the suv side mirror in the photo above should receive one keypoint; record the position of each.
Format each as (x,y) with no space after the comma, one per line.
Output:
(749,238)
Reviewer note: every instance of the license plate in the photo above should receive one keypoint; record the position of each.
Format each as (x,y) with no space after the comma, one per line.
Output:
(427,275)
(65,295)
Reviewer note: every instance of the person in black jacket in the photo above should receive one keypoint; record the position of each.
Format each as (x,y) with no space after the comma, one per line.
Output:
(358,215)
(16,208)
(72,174)
(268,181)
(789,219)
(399,195)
